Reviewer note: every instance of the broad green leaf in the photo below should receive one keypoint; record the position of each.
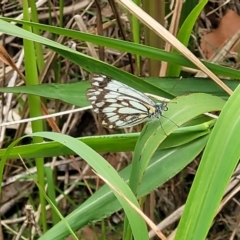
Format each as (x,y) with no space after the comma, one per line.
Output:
(217,165)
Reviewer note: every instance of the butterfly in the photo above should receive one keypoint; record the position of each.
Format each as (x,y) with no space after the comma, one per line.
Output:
(119,105)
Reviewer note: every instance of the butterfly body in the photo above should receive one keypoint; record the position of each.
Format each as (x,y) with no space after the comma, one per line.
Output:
(119,105)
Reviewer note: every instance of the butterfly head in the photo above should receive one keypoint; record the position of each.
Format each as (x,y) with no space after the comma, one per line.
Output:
(159,108)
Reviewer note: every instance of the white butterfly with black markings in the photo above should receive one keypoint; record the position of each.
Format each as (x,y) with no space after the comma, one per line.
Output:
(119,105)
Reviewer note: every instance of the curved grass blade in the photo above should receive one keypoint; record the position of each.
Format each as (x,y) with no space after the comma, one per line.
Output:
(103,202)
(182,110)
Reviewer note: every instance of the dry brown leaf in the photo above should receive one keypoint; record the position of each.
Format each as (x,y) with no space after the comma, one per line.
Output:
(228,26)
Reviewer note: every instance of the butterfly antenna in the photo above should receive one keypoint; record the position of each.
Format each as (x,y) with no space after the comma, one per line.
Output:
(169,120)
(164,101)
(163,129)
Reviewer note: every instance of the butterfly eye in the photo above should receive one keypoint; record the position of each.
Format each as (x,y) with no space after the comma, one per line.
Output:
(164,106)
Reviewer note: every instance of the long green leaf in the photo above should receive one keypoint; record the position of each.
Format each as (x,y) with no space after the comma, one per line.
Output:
(75,93)
(105,143)
(111,43)
(102,167)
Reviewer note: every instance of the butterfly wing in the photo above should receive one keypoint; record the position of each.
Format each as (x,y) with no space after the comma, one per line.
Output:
(119,105)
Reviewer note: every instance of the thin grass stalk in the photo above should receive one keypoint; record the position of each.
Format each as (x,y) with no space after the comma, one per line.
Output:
(34,103)
(52,193)
(38,46)
(61,7)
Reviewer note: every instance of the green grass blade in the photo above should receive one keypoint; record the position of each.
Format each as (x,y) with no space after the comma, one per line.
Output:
(107,143)
(177,87)
(184,34)
(51,192)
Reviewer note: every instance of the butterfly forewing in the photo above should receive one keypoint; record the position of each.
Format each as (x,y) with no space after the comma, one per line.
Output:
(119,105)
